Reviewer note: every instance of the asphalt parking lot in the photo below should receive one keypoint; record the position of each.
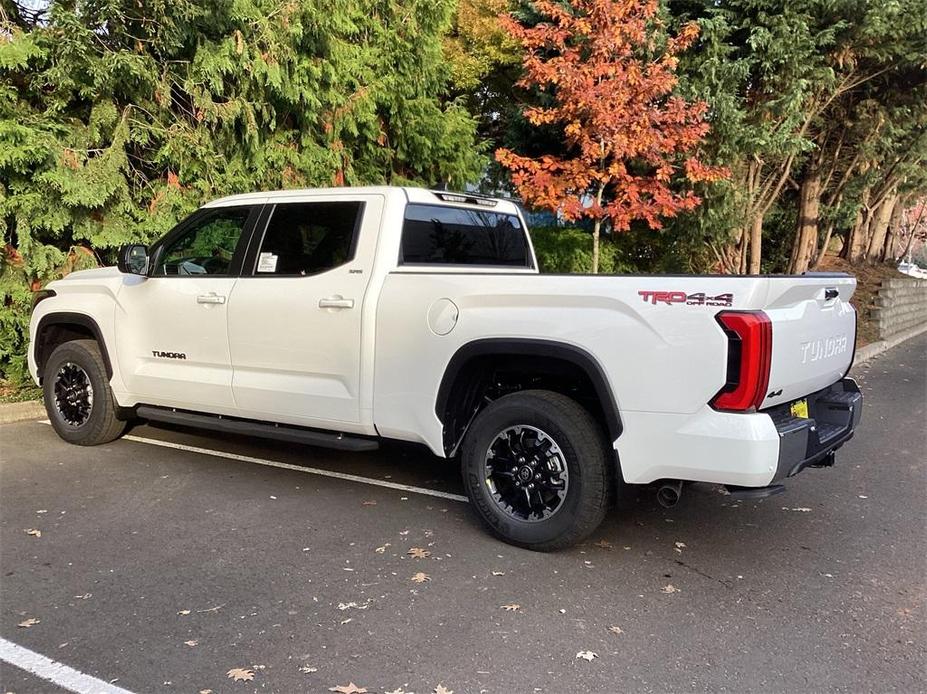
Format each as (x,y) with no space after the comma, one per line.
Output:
(161,569)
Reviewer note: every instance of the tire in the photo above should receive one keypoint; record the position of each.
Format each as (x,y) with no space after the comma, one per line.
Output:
(77,418)
(577,444)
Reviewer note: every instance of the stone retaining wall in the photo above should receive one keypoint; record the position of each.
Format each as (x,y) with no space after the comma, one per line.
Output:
(900,306)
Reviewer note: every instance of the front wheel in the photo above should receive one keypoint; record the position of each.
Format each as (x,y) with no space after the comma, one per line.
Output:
(535,468)
(78,398)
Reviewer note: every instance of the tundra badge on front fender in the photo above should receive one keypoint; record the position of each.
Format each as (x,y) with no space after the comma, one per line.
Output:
(168,355)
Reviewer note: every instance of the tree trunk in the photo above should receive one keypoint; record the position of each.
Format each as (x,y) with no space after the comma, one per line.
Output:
(912,230)
(806,236)
(894,229)
(819,258)
(756,244)
(596,230)
(855,246)
(879,225)
(742,251)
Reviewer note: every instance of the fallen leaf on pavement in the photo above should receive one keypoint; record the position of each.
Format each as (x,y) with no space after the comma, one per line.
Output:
(616,630)
(587,655)
(205,691)
(26,623)
(514,607)
(184,612)
(347,605)
(85,596)
(441,689)
(382,548)
(679,546)
(308,669)
(34,532)
(420,577)
(669,588)
(418,553)
(191,642)
(498,573)
(240,674)
(349,688)
(211,609)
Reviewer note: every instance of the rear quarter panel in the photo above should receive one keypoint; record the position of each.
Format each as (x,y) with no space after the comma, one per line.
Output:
(659,357)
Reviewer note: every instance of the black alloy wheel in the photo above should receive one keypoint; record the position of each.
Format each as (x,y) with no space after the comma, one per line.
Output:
(526,473)
(537,470)
(73,394)
(78,396)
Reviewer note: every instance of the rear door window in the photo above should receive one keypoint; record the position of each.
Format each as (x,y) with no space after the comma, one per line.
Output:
(304,239)
(444,235)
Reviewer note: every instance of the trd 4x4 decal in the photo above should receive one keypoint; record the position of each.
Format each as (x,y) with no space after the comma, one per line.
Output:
(697,299)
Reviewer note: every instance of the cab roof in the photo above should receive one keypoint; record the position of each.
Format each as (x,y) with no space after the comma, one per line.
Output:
(412,195)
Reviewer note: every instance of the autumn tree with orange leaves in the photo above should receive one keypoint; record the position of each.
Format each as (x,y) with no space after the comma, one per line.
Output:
(611,73)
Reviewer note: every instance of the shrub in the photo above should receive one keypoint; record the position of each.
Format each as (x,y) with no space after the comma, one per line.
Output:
(569,250)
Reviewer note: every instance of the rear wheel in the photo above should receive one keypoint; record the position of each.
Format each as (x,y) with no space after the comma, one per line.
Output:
(536,470)
(78,398)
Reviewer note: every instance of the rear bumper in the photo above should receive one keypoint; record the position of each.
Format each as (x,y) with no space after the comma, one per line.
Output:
(834,414)
(754,451)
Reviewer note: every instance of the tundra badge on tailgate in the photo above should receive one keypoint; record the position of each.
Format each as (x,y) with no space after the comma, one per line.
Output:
(823,349)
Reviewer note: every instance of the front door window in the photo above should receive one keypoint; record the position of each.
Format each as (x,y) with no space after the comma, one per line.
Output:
(207,247)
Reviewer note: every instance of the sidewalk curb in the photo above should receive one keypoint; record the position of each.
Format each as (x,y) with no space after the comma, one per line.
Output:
(20,411)
(34,409)
(864,354)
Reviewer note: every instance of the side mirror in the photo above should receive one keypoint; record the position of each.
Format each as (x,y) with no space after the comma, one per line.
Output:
(133,259)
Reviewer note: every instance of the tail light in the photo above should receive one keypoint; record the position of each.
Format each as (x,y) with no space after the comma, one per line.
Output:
(749,352)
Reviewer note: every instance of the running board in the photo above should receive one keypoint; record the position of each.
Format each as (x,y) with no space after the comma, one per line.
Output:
(249,427)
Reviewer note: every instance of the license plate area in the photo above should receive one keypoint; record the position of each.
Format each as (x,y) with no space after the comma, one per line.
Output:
(799,409)
(830,415)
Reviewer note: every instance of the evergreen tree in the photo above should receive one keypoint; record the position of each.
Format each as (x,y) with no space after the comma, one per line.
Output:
(118,117)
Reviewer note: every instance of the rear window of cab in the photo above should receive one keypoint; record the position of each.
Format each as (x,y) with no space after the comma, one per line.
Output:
(446,235)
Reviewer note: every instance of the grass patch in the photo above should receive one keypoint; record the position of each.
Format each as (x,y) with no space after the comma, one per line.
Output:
(24,393)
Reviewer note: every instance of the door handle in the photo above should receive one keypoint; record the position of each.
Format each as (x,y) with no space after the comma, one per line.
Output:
(211,298)
(336,302)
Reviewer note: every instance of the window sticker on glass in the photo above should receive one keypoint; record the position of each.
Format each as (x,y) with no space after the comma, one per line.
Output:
(267,262)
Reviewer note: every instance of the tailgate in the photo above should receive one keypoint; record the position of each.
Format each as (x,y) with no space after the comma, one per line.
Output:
(813,334)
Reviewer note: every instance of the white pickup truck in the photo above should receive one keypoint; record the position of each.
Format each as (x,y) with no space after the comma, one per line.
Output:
(339,317)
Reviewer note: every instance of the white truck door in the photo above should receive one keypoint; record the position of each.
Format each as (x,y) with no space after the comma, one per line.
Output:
(171,327)
(295,315)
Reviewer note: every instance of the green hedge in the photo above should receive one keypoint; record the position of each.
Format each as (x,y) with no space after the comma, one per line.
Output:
(569,250)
